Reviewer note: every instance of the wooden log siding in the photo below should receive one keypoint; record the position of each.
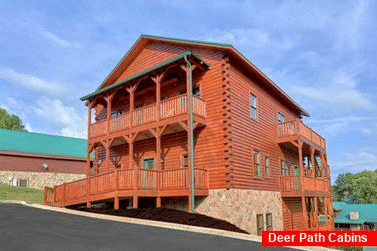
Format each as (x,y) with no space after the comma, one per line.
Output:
(223,148)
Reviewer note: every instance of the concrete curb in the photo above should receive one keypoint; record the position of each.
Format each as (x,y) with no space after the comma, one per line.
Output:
(175,226)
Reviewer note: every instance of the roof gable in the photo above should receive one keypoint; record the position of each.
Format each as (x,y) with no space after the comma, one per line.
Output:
(144,40)
(38,143)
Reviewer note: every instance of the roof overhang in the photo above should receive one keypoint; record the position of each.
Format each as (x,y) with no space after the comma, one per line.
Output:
(187,55)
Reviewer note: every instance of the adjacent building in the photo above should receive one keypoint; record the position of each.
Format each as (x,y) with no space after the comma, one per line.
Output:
(355,216)
(196,126)
(37,160)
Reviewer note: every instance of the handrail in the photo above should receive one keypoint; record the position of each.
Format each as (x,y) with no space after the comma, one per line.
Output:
(297,127)
(122,179)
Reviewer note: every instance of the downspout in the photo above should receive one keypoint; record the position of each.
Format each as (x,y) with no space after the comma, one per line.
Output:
(191,135)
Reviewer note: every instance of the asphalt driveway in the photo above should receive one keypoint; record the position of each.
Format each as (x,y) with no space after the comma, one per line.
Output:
(27,228)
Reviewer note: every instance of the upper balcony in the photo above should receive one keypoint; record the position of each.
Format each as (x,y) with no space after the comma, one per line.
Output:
(294,130)
(172,108)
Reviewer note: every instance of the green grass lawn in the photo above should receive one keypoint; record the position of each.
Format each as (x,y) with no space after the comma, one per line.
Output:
(30,195)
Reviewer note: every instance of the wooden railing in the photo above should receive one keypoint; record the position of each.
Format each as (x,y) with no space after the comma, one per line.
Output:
(290,184)
(98,128)
(144,115)
(293,184)
(120,122)
(168,108)
(296,127)
(148,179)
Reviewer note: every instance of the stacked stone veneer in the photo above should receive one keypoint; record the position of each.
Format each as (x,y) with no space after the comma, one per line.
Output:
(237,206)
(40,179)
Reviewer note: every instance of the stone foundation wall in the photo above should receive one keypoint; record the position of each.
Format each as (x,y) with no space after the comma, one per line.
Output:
(39,179)
(237,206)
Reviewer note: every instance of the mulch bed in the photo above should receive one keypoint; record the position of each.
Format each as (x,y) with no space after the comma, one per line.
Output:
(169,215)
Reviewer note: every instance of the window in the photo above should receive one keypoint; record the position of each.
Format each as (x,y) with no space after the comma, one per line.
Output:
(259,224)
(139,106)
(284,168)
(256,156)
(184,161)
(281,117)
(22,183)
(253,106)
(196,91)
(267,165)
(269,221)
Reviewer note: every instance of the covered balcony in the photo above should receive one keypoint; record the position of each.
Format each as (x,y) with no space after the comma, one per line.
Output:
(170,108)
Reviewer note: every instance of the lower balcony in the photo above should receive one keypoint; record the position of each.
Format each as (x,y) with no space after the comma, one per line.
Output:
(127,183)
(291,186)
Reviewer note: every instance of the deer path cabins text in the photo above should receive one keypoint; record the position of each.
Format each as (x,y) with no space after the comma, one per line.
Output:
(254,162)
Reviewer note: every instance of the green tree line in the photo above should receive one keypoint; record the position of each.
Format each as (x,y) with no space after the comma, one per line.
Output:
(10,121)
(360,187)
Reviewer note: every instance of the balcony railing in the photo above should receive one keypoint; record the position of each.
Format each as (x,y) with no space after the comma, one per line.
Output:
(147,179)
(293,184)
(168,108)
(297,128)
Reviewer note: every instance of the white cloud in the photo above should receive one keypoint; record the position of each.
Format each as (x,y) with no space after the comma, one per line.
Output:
(31,82)
(251,37)
(57,40)
(66,118)
(339,94)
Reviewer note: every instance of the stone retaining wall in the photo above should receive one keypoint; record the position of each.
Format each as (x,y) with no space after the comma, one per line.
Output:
(40,179)
(237,206)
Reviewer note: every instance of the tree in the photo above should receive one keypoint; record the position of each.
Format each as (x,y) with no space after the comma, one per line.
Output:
(11,122)
(360,187)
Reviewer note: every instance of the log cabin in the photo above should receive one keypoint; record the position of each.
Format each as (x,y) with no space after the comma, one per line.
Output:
(196,126)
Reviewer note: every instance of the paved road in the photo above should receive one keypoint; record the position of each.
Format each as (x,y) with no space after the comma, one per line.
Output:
(26,228)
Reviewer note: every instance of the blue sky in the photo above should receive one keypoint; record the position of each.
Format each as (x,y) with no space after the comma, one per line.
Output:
(322,53)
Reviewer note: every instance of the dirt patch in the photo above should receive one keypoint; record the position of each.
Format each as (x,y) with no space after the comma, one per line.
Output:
(169,215)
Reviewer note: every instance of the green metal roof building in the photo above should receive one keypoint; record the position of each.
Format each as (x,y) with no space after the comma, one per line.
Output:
(355,216)
(38,143)
(37,160)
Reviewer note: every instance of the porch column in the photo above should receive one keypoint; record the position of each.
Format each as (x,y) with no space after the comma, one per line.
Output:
(157,79)
(131,91)
(303,203)
(316,211)
(108,155)
(190,136)
(108,111)
(89,147)
(312,160)
(305,213)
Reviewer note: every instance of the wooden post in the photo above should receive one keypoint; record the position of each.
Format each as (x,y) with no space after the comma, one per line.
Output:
(89,119)
(107,156)
(88,203)
(158,160)
(63,201)
(312,160)
(45,195)
(135,201)
(301,164)
(190,134)
(315,198)
(54,195)
(157,80)
(305,213)
(116,199)
(158,202)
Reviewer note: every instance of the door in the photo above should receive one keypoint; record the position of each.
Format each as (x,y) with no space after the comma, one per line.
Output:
(148,174)
(296,178)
